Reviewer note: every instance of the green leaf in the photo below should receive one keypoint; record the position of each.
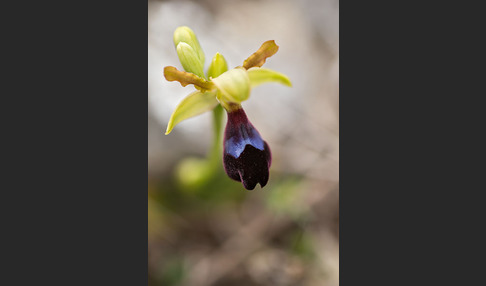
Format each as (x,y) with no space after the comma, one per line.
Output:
(262,75)
(217,67)
(190,60)
(233,85)
(194,104)
(186,35)
(258,58)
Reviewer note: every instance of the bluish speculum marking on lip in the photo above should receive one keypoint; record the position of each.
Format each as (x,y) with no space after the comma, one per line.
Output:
(239,133)
(243,135)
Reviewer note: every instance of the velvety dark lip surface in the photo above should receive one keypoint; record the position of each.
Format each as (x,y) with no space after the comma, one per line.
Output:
(251,168)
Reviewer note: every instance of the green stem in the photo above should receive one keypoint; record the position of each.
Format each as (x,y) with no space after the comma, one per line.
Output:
(216,150)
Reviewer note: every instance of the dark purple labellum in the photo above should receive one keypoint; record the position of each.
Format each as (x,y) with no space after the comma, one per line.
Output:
(246,156)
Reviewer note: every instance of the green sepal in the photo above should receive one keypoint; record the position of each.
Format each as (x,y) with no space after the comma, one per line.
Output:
(186,35)
(190,60)
(263,75)
(194,104)
(233,86)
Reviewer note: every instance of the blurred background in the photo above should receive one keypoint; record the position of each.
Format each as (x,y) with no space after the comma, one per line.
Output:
(204,228)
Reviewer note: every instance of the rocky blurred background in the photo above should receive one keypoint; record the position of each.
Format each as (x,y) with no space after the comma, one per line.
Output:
(205,229)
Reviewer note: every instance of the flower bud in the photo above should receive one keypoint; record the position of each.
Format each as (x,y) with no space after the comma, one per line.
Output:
(186,35)
(189,59)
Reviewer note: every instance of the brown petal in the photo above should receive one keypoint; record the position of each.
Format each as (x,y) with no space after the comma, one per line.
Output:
(257,59)
(185,78)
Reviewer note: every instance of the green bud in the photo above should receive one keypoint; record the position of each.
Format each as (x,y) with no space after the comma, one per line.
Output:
(186,35)
(233,85)
(193,172)
(217,67)
(189,59)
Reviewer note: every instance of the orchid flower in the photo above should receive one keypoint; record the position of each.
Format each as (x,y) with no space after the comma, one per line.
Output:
(246,156)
